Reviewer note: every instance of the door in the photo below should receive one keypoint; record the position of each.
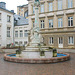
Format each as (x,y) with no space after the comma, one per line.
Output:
(60,42)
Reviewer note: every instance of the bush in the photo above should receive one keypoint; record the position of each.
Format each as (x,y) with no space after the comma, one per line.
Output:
(50,48)
(54,53)
(42,53)
(18,52)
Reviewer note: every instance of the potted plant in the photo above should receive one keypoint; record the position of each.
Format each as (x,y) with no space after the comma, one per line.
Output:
(18,52)
(54,53)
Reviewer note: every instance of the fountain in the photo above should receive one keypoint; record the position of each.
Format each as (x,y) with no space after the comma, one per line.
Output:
(37,52)
(34,49)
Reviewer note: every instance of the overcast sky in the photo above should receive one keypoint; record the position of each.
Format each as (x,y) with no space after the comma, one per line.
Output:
(12,4)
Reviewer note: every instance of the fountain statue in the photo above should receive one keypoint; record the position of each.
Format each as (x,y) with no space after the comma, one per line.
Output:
(35,50)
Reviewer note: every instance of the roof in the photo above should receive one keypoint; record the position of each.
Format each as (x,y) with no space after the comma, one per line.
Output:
(3,2)
(20,20)
(6,10)
(23,5)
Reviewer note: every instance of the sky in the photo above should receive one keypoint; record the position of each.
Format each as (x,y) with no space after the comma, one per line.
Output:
(12,4)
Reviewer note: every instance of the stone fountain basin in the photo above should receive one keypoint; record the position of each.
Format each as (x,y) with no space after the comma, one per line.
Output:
(37,60)
(36,54)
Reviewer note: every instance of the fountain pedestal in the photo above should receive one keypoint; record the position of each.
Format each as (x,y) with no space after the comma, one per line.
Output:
(33,52)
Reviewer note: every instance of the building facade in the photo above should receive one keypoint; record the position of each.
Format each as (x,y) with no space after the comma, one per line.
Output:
(22,10)
(56,22)
(21,30)
(6,26)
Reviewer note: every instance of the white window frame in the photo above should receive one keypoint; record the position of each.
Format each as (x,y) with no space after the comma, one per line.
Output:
(42,24)
(8,31)
(50,23)
(42,8)
(25,33)
(70,20)
(51,40)
(71,40)
(60,5)
(51,6)
(21,33)
(16,33)
(70,3)
(60,22)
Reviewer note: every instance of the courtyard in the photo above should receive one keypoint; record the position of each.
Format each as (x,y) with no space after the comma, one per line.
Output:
(63,68)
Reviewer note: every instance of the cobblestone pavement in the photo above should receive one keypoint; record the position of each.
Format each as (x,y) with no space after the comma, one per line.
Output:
(64,68)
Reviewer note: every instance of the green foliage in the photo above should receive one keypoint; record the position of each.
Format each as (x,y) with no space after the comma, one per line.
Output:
(42,53)
(44,44)
(50,48)
(18,52)
(54,53)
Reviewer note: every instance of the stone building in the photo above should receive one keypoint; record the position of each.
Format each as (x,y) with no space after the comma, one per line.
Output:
(22,10)
(6,25)
(56,21)
(21,30)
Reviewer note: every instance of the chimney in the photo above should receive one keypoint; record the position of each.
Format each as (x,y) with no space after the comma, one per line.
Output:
(12,11)
(3,5)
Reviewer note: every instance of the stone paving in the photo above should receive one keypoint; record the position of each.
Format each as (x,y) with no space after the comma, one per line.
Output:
(65,68)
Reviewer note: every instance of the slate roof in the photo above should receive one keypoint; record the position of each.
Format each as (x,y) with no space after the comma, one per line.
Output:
(6,10)
(20,20)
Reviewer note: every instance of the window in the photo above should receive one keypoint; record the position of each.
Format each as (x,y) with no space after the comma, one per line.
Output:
(16,33)
(16,43)
(26,14)
(42,8)
(70,21)
(60,23)
(21,33)
(59,4)
(71,40)
(33,24)
(51,40)
(42,24)
(8,18)
(20,43)
(60,40)
(8,31)
(50,23)
(33,10)
(25,33)
(42,39)
(50,6)
(0,16)
(21,9)
(25,42)
(70,3)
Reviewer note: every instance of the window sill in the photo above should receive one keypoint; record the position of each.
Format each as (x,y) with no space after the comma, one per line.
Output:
(60,27)
(51,44)
(70,26)
(70,44)
(9,21)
